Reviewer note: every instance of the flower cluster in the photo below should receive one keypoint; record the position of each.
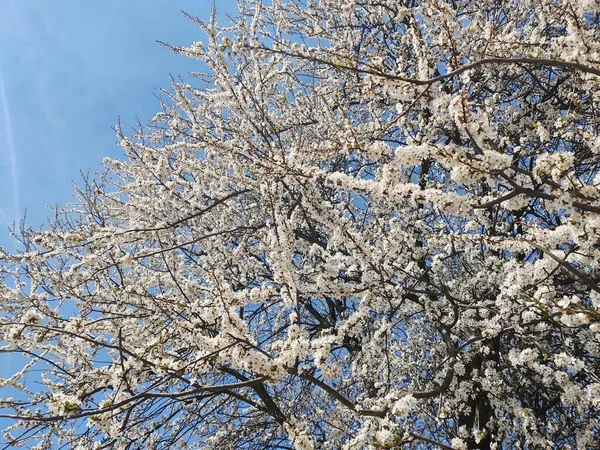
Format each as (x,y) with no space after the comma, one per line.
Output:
(388,235)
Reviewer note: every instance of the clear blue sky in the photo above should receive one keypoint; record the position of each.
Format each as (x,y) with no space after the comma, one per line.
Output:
(68,69)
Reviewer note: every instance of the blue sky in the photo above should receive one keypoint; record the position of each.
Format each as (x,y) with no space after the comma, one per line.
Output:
(68,70)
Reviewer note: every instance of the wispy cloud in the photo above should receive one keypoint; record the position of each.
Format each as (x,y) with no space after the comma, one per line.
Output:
(10,149)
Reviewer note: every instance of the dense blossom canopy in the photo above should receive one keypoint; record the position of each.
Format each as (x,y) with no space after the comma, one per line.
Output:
(372,223)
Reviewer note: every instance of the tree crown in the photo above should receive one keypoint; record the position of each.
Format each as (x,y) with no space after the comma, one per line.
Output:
(371,223)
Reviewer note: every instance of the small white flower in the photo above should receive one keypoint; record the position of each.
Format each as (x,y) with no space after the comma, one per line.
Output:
(582,318)
(32,316)
(458,444)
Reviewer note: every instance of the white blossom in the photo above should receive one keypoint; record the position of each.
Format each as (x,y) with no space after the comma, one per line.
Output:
(367,224)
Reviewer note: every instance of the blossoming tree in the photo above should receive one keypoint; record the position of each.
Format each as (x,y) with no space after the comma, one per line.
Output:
(373,223)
